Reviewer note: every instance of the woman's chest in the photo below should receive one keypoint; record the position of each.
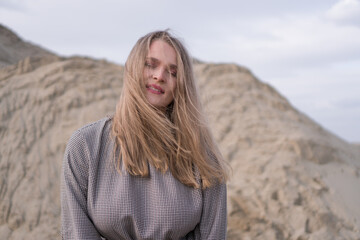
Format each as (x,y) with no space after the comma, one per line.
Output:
(158,207)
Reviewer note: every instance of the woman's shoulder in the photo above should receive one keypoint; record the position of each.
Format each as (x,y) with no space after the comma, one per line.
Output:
(91,133)
(95,127)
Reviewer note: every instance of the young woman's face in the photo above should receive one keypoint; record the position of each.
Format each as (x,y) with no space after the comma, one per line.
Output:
(160,74)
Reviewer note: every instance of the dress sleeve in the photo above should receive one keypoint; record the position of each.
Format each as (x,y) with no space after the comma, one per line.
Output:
(214,217)
(75,221)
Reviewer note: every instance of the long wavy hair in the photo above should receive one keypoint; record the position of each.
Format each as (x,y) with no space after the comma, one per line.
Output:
(179,139)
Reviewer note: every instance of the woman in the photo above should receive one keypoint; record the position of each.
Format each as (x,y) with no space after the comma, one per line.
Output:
(152,171)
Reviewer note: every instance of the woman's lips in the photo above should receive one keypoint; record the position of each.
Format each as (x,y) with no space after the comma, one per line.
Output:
(154,89)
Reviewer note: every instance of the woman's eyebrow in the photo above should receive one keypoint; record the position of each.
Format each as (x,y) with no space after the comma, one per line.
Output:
(173,67)
(155,60)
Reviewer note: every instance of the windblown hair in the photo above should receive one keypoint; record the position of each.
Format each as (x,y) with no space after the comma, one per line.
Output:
(179,139)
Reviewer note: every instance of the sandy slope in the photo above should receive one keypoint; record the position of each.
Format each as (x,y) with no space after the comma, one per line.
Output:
(39,110)
(292,179)
(14,49)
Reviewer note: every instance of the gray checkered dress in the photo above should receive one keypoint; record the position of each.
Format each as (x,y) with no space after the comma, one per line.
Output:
(99,203)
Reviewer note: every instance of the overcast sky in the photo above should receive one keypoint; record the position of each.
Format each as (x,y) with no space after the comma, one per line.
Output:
(308,50)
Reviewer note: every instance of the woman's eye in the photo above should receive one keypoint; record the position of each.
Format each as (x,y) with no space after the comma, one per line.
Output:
(173,73)
(147,64)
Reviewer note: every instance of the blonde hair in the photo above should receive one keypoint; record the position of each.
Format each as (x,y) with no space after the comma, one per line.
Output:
(179,139)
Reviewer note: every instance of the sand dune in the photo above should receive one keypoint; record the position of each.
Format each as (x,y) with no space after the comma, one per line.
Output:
(292,179)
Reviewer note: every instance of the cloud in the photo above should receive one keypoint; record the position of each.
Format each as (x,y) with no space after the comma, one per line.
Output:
(12,5)
(283,44)
(345,12)
(348,103)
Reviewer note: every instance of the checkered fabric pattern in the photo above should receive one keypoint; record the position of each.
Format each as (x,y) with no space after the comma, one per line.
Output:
(97,202)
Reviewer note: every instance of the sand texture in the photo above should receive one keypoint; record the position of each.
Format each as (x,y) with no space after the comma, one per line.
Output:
(292,179)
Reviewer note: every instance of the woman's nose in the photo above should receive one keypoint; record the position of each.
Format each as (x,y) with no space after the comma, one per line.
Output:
(160,74)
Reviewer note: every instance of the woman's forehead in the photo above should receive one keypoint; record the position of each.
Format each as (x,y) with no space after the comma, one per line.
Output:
(163,52)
